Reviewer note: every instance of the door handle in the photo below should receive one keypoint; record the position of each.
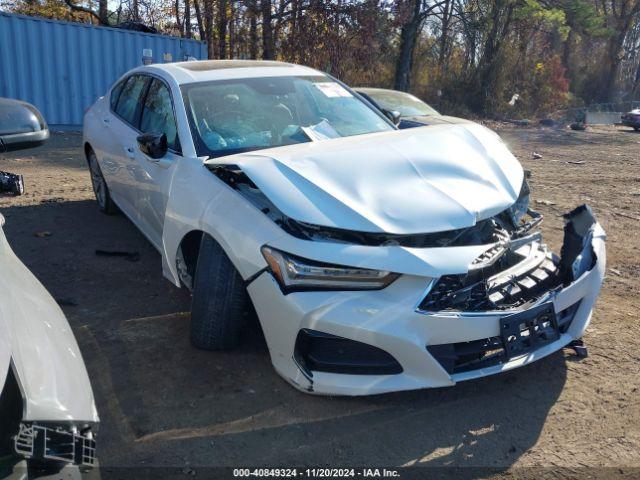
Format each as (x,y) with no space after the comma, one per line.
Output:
(130,152)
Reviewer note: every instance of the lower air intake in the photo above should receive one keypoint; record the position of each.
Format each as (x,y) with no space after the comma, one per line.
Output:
(320,352)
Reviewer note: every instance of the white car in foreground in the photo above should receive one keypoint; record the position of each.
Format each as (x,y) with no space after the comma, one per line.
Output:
(377,259)
(48,417)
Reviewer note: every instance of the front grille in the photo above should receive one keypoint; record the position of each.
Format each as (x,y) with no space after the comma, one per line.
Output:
(513,280)
(466,356)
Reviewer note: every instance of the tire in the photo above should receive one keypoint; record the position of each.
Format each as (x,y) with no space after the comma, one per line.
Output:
(219,299)
(99,184)
(637,129)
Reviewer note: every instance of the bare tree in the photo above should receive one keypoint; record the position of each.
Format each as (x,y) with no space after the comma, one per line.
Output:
(267,30)
(222,28)
(101,16)
(187,18)
(415,13)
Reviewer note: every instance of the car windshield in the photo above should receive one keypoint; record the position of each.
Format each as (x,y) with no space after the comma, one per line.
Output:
(240,115)
(405,103)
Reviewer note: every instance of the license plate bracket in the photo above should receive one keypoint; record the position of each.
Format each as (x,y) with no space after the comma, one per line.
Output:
(526,331)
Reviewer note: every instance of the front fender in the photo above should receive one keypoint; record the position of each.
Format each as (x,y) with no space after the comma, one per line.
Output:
(198,200)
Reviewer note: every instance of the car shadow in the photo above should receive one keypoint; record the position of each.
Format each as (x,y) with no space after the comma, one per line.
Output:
(165,404)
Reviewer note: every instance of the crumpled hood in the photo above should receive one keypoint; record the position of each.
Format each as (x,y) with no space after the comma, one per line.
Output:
(420,180)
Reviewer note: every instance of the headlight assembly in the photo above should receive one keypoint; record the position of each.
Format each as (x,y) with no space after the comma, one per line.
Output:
(295,273)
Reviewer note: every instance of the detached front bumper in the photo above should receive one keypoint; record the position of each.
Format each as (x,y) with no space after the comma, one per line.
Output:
(391,320)
(42,442)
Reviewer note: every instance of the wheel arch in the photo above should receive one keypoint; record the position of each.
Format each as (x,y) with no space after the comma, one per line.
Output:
(186,257)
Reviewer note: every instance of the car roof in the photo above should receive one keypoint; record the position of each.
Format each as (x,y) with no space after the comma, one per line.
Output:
(208,70)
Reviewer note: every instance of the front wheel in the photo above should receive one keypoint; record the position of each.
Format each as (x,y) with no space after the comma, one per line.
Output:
(99,184)
(219,299)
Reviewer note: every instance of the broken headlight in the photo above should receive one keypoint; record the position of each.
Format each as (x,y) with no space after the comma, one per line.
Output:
(295,273)
(518,210)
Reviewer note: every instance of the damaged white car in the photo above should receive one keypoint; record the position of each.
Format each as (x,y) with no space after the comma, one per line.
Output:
(48,418)
(377,260)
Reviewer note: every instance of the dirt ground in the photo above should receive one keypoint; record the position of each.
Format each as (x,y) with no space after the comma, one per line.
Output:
(163,403)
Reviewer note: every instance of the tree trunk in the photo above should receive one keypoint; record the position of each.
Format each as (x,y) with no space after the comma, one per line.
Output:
(201,29)
(408,39)
(489,63)
(253,29)
(178,22)
(635,91)
(208,27)
(135,11)
(611,62)
(187,18)
(232,30)
(222,29)
(444,37)
(267,31)
(103,12)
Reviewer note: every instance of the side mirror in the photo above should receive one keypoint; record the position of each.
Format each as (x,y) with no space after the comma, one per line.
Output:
(153,145)
(393,115)
(21,126)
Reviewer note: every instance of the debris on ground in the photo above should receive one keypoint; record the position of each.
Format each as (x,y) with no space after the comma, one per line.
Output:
(579,348)
(131,256)
(548,122)
(578,126)
(615,272)
(537,156)
(188,471)
(577,162)
(43,234)
(545,202)
(11,183)
(626,215)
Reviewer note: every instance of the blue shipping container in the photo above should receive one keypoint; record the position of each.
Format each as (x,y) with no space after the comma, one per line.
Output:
(63,67)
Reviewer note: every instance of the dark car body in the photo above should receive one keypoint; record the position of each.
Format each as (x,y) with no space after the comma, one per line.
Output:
(632,119)
(413,111)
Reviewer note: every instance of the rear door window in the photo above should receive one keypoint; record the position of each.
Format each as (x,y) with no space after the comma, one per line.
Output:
(128,106)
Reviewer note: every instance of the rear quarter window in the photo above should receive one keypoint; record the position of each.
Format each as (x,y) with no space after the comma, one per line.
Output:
(115,93)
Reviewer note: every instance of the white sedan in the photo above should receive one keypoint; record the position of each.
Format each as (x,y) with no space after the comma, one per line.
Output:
(377,259)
